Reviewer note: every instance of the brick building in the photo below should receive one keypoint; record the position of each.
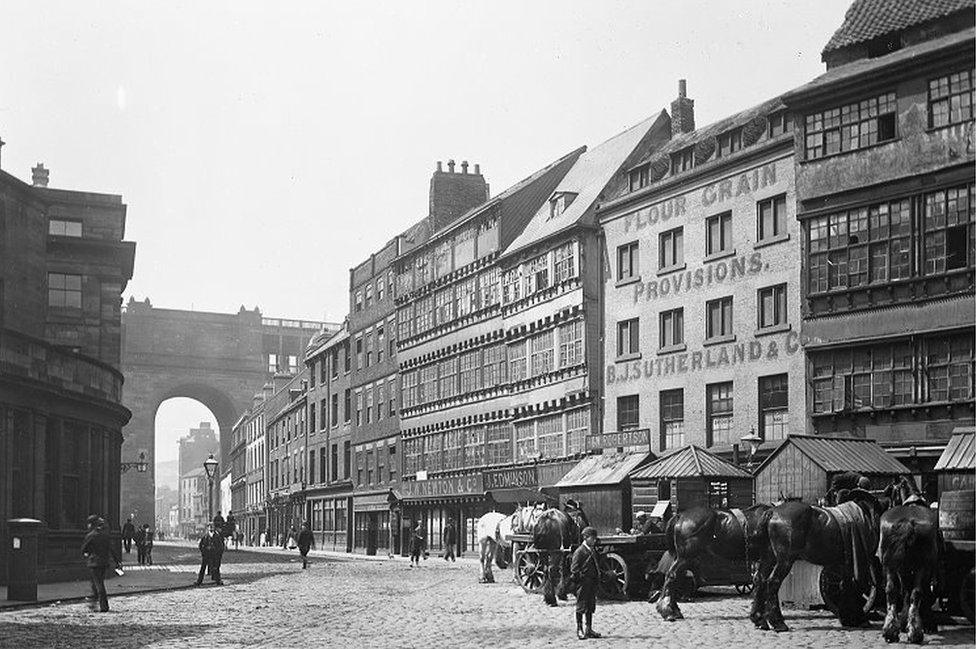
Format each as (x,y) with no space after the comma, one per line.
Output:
(63,267)
(286,427)
(700,303)
(884,186)
(451,356)
(194,448)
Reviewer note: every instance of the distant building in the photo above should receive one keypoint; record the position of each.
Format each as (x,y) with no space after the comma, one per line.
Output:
(285,428)
(193,503)
(63,266)
(194,449)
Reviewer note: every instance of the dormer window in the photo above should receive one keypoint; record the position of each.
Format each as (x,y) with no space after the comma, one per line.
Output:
(640,177)
(559,202)
(682,160)
(729,142)
(779,123)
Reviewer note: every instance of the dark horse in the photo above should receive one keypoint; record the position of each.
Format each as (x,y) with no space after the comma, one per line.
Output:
(701,531)
(555,535)
(909,552)
(842,539)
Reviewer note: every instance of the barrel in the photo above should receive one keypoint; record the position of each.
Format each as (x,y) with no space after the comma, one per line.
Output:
(956,515)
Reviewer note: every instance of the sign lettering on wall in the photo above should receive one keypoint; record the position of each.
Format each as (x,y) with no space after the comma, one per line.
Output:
(710,358)
(718,272)
(456,486)
(639,437)
(525,476)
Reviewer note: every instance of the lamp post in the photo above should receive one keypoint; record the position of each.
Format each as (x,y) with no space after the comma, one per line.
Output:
(210,466)
(753,441)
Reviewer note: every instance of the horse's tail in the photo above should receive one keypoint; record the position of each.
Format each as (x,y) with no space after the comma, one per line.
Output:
(896,541)
(669,535)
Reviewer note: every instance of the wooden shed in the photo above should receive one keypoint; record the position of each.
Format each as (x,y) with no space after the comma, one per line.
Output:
(689,477)
(802,466)
(601,484)
(957,464)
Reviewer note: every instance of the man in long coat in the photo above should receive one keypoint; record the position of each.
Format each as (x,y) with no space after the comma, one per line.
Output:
(211,553)
(585,572)
(128,531)
(99,555)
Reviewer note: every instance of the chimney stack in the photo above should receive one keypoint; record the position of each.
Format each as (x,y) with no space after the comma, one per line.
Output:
(477,169)
(440,168)
(464,166)
(682,111)
(452,194)
(40,175)
(450,166)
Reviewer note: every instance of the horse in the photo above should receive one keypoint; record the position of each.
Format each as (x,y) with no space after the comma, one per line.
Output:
(909,552)
(729,534)
(554,535)
(842,539)
(494,529)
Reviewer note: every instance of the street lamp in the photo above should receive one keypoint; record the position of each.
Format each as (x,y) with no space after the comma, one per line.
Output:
(141,465)
(210,466)
(753,441)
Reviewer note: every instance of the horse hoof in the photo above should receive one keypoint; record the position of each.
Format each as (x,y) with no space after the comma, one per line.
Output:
(670,618)
(889,637)
(552,604)
(780,627)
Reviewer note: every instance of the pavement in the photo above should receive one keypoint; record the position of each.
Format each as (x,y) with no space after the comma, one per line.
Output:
(355,601)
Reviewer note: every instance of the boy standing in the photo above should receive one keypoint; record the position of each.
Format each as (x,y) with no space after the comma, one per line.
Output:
(585,572)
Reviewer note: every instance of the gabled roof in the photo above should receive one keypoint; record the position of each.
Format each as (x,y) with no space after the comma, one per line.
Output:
(839,454)
(586,180)
(866,20)
(960,452)
(690,462)
(606,469)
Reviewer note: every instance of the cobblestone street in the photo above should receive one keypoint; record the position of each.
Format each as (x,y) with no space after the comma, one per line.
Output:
(353,603)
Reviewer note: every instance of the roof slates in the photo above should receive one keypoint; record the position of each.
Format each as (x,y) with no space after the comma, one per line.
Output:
(690,462)
(606,469)
(960,452)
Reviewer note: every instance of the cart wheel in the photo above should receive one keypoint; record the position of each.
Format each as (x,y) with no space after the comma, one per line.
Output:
(615,576)
(743,589)
(832,592)
(529,571)
(967,595)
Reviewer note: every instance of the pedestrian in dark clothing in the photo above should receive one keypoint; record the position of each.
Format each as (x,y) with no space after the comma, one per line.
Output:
(292,541)
(140,541)
(218,522)
(211,553)
(585,574)
(230,527)
(97,549)
(128,530)
(450,540)
(305,542)
(418,541)
(148,547)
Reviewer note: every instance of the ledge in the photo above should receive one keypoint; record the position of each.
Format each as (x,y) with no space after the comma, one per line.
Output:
(719,255)
(779,238)
(664,351)
(671,269)
(628,281)
(775,329)
(628,357)
(718,340)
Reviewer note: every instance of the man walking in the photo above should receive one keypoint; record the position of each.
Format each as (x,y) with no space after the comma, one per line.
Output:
(305,542)
(211,552)
(585,572)
(97,549)
(140,541)
(418,542)
(128,530)
(450,540)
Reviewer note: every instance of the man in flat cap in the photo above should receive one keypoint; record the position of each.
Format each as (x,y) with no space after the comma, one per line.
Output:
(585,571)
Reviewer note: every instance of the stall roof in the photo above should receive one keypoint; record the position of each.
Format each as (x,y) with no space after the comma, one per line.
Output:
(520,495)
(838,454)
(960,452)
(606,469)
(690,462)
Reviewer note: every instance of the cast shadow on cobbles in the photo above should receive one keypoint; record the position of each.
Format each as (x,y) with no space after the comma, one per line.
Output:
(84,635)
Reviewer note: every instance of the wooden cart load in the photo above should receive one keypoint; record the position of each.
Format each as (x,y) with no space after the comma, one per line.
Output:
(957,488)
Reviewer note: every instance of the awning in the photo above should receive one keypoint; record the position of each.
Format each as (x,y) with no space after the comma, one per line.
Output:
(606,469)
(960,452)
(520,495)
(372,503)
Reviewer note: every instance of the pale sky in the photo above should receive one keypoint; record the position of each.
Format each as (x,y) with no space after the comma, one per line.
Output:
(265,148)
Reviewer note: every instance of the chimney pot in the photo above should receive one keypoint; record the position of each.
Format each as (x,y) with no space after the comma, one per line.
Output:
(450,166)
(682,111)
(682,88)
(464,166)
(439,167)
(40,175)
(477,169)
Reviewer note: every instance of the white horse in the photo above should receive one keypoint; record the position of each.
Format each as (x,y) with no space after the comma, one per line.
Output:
(494,530)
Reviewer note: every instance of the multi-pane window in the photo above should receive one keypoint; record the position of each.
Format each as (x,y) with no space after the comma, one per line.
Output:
(422,270)
(719,414)
(369,404)
(718,318)
(525,446)
(380,343)
(947,219)
(359,408)
(368,295)
(672,418)
(628,263)
(359,300)
(949,368)
(774,412)
(442,259)
(470,371)
(717,494)
(427,384)
(951,99)
(434,451)
(550,437)
(453,440)
(408,385)
(448,377)
(852,126)
(64,228)
(425,315)
(511,285)
(488,288)
(628,412)
(718,234)
(729,142)
(866,245)
(464,247)
(272,363)
(347,406)
(380,286)
(640,177)
(671,248)
(466,297)
(444,305)
(682,160)
(537,274)
(771,218)
(516,361)
(779,123)
(771,302)
(488,236)
(564,266)
(494,364)
(672,328)
(499,443)
(359,352)
(405,322)
(391,396)
(368,347)
(577,428)
(474,446)
(543,353)
(628,337)
(64,290)
(334,420)
(411,456)
(571,343)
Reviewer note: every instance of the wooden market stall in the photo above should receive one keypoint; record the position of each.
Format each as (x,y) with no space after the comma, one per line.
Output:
(601,484)
(689,477)
(956,469)
(802,466)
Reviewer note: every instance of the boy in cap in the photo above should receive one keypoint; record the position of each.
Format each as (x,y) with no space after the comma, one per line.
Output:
(585,572)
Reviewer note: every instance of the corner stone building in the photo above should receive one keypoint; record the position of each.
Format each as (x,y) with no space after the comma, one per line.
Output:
(63,267)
